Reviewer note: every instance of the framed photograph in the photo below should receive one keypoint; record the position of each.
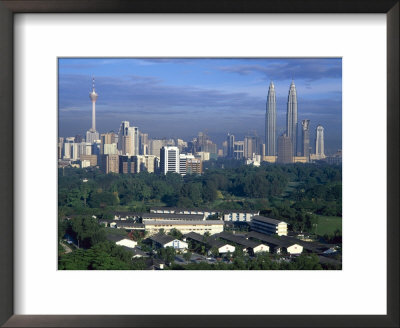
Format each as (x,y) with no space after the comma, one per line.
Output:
(201,150)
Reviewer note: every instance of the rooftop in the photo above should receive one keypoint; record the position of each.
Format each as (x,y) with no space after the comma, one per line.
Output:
(180,222)
(172,216)
(177,209)
(162,239)
(275,241)
(266,220)
(238,239)
(115,238)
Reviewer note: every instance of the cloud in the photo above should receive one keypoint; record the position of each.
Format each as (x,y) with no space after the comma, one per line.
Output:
(307,69)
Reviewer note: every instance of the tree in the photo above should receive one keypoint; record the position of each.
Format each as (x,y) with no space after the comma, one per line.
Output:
(187,256)
(214,251)
(175,233)
(167,254)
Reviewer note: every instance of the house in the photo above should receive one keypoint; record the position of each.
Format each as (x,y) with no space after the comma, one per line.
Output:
(121,240)
(250,246)
(210,242)
(277,245)
(155,264)
(138,253)
(163,241)
(270,226)
(223,247)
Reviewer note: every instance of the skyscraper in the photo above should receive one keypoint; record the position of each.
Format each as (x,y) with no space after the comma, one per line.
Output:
(306,139)
(285,150)
(231,144)
(270,122)
(169,161)
(92,134)
(319,143)
(291,117)
(128,134)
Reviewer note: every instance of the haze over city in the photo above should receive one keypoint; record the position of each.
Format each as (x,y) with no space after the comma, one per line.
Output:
(180,97)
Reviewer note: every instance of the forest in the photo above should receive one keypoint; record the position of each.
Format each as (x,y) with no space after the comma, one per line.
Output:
(296,193)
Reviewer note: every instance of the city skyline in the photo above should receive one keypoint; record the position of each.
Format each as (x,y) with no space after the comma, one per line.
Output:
(236,105)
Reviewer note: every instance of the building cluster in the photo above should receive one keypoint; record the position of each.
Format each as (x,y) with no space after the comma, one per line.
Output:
(132,151)
(288,147)
(205,228)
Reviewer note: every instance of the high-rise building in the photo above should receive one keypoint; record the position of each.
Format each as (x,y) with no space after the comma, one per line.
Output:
(109,163)
(225,148)
(319,143)
(291,117)
(306,139)
(144,143)
(85,148)
(156,145)
(60,147)
(270,122)
(123,131)
(194,166)
(126,164)
(169,159)
(110,149)
(285,150)
(91,158)
(92,134)
(107,139)
(128,146)
(183,158)
(230,145)
(238,149)
(96,145)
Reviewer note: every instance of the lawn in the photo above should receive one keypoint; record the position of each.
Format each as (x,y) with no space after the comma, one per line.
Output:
(328,224)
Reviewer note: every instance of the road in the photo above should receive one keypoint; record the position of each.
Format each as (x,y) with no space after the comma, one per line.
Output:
(67,249)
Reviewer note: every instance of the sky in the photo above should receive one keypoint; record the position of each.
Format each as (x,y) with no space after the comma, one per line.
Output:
(178,97)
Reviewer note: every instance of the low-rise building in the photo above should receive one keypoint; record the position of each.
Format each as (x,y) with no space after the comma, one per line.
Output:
(171,217)
(169,210)
(201,227)
(250,246)
(277,245)
(127,225)
(269,226)
(210,242)
(240,216)
(122,240)
(163,241)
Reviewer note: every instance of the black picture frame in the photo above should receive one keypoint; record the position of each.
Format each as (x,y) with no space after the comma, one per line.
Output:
(10,7)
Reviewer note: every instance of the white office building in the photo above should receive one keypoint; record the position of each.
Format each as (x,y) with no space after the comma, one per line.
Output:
(270,226)
(169,161)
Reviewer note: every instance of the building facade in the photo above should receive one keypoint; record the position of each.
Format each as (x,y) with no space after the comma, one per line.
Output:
(270,122)
(291,117)
(305,124)
(285,150)
(109,163)
(319,143)
(169,159)
(270,226)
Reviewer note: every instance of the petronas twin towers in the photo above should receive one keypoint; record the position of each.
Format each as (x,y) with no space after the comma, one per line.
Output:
(270,120)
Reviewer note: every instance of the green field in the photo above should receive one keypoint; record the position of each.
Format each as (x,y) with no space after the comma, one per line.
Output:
(328,225)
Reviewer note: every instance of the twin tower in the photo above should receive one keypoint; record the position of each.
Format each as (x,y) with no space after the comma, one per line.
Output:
(291,120)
